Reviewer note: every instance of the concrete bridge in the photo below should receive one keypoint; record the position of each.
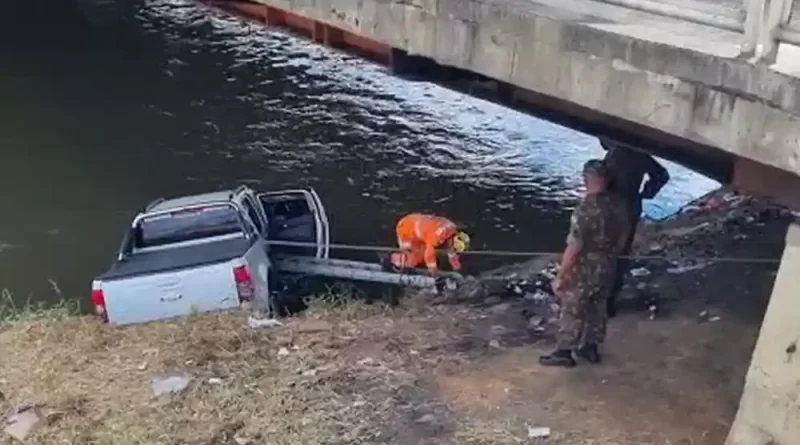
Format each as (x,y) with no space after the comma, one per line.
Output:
(714,85)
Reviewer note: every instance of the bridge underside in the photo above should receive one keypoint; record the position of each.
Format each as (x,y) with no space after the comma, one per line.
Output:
(733,121)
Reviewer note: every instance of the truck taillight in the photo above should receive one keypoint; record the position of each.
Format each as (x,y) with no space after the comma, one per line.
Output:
(99,303)
(244,283)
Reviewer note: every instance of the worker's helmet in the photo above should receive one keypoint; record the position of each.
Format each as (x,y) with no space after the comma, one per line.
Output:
(460,242)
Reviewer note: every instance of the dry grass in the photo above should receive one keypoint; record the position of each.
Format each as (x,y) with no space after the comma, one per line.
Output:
(351,373)
(92,381)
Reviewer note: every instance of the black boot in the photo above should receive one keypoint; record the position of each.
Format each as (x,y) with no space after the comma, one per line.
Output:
(559,357)
(589,353)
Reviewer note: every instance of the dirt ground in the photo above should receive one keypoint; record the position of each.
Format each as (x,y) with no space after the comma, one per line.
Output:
(456,370)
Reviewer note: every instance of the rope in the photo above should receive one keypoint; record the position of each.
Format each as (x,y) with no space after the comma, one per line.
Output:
(507,253)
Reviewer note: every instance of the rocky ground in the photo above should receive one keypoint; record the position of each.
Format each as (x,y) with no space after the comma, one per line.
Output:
(459,369)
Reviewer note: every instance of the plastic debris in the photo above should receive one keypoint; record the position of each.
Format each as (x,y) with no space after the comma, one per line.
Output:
(679,269)
(215,381)
(174,384)
(653,310)
(259,323)
(639,272)
(535,432)
(494,344)
(22,421)
(282,352)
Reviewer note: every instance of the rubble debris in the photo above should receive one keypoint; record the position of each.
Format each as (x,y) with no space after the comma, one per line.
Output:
(535,432)
(653,310)
(427,418)
(260,323)
(22,421)
(688,267)
(173,385)
(684,231)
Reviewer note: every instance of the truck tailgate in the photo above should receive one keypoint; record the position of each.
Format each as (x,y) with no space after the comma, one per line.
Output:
(178,292)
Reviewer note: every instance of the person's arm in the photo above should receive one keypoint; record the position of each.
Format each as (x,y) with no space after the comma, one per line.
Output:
(455,261)
(574,244)
(657,177)
(430,259)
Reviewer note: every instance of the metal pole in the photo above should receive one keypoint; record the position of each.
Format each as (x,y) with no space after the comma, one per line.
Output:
(667,10)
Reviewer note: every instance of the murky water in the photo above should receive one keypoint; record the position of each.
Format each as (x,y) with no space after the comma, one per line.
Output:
(107,105)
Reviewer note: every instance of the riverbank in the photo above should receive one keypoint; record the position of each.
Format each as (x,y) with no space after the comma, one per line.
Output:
(463,370)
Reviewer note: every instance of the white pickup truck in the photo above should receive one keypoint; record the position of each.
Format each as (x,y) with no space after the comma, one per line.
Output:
(208,252)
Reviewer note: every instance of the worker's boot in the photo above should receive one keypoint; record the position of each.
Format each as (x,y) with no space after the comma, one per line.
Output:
(589,353)
(559,357)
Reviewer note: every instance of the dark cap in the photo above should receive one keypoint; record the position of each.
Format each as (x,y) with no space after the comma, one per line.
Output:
(595,167)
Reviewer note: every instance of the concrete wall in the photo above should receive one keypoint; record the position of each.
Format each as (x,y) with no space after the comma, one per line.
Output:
(737,107)
(762,180)
(769,411)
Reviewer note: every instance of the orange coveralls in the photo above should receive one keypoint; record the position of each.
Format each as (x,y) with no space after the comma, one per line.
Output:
(418,236)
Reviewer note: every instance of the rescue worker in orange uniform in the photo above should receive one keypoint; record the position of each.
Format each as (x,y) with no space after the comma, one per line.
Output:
(419,235)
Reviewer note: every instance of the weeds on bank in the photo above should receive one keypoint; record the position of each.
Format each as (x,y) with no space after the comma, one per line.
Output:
(14,313)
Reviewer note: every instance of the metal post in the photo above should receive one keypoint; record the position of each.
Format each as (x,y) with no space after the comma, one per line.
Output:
(777,16)
(754,12)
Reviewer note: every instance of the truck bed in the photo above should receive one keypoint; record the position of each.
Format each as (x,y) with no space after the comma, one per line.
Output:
(145,263)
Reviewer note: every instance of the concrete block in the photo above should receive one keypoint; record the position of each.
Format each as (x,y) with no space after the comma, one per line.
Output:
(492,52)
(420,30)
(769,411)
(348,14)
(454,40)
(390,25)
(464,10)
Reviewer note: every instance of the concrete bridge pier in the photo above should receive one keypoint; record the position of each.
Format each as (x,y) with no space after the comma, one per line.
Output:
(769,410)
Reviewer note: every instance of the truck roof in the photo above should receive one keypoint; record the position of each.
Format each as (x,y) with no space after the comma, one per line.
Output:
(191,200)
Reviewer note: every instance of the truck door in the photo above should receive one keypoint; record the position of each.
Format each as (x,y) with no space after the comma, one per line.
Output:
(297,216)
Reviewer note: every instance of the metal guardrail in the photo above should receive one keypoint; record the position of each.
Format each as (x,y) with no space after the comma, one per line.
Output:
(765,24)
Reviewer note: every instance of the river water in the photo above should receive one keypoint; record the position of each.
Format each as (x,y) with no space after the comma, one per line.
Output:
(107,105)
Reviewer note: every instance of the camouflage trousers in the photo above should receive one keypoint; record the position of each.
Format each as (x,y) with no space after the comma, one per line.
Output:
(583,317)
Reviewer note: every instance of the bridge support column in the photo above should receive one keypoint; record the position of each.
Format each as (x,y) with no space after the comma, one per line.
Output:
(769,410)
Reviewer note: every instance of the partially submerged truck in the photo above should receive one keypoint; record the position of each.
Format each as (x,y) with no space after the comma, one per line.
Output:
(217,250)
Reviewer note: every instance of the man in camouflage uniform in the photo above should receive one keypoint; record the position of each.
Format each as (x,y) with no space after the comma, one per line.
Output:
(627,168)
(597,233)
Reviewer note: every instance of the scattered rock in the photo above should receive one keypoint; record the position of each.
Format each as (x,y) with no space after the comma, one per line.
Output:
(310,373)
(536,323)
(535,432)
(687,267)
(261,323)
(427,418)
(500,308)
(283,352)
(22,421)
(173,385)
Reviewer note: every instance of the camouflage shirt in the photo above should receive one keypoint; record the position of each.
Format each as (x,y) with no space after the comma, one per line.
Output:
(597,227)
